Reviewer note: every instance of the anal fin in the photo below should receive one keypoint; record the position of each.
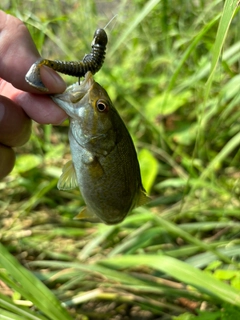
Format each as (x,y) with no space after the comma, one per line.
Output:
(143,198)
(87,215)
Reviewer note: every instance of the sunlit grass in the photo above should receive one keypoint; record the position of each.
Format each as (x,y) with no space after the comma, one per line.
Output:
(171,70)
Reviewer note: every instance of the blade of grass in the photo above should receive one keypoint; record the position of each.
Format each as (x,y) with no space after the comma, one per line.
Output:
(187,53)
(89,268)
(139,17)
(30,287)
(6,315)
(41,190)
(202,260)
(226,150)
(182,271)
(103,233)
(229,10)
(7,304)
(172,228)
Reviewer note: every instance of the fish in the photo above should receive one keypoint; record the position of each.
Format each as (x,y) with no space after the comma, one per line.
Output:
(104,162)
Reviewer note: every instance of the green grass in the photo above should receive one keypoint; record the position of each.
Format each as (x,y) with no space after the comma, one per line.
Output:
(172,71)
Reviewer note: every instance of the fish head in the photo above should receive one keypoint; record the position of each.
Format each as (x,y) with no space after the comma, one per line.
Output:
(88,107)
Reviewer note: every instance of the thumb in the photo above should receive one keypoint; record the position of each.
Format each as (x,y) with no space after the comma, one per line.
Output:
(18,52)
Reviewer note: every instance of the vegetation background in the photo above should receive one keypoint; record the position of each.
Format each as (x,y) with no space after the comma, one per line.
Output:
(172,71)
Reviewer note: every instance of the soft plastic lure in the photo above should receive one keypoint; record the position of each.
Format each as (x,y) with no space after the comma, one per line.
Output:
(91,62)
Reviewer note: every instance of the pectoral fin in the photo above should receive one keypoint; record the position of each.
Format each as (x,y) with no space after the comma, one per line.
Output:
(87,215)
(68,178)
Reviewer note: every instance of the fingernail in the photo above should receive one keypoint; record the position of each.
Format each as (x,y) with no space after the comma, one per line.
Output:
(52,80)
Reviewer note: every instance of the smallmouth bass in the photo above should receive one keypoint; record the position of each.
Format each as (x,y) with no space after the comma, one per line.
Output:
(104,161)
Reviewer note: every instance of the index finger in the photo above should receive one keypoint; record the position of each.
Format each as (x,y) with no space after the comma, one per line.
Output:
(18,52)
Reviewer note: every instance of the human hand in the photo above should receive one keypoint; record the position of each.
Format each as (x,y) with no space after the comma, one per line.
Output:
(19,102)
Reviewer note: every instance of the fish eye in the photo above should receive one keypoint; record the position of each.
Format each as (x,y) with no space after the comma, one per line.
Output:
(102,106)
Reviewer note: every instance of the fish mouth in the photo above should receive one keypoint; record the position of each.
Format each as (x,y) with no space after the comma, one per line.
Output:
(88,80)
(73,94)
(75,89)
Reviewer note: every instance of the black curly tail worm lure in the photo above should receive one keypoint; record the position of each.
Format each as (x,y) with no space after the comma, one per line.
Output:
(91,62)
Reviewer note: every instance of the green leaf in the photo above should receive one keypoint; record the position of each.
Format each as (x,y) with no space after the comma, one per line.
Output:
(185,316)
(149,168)
(26,162)
(158,105)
